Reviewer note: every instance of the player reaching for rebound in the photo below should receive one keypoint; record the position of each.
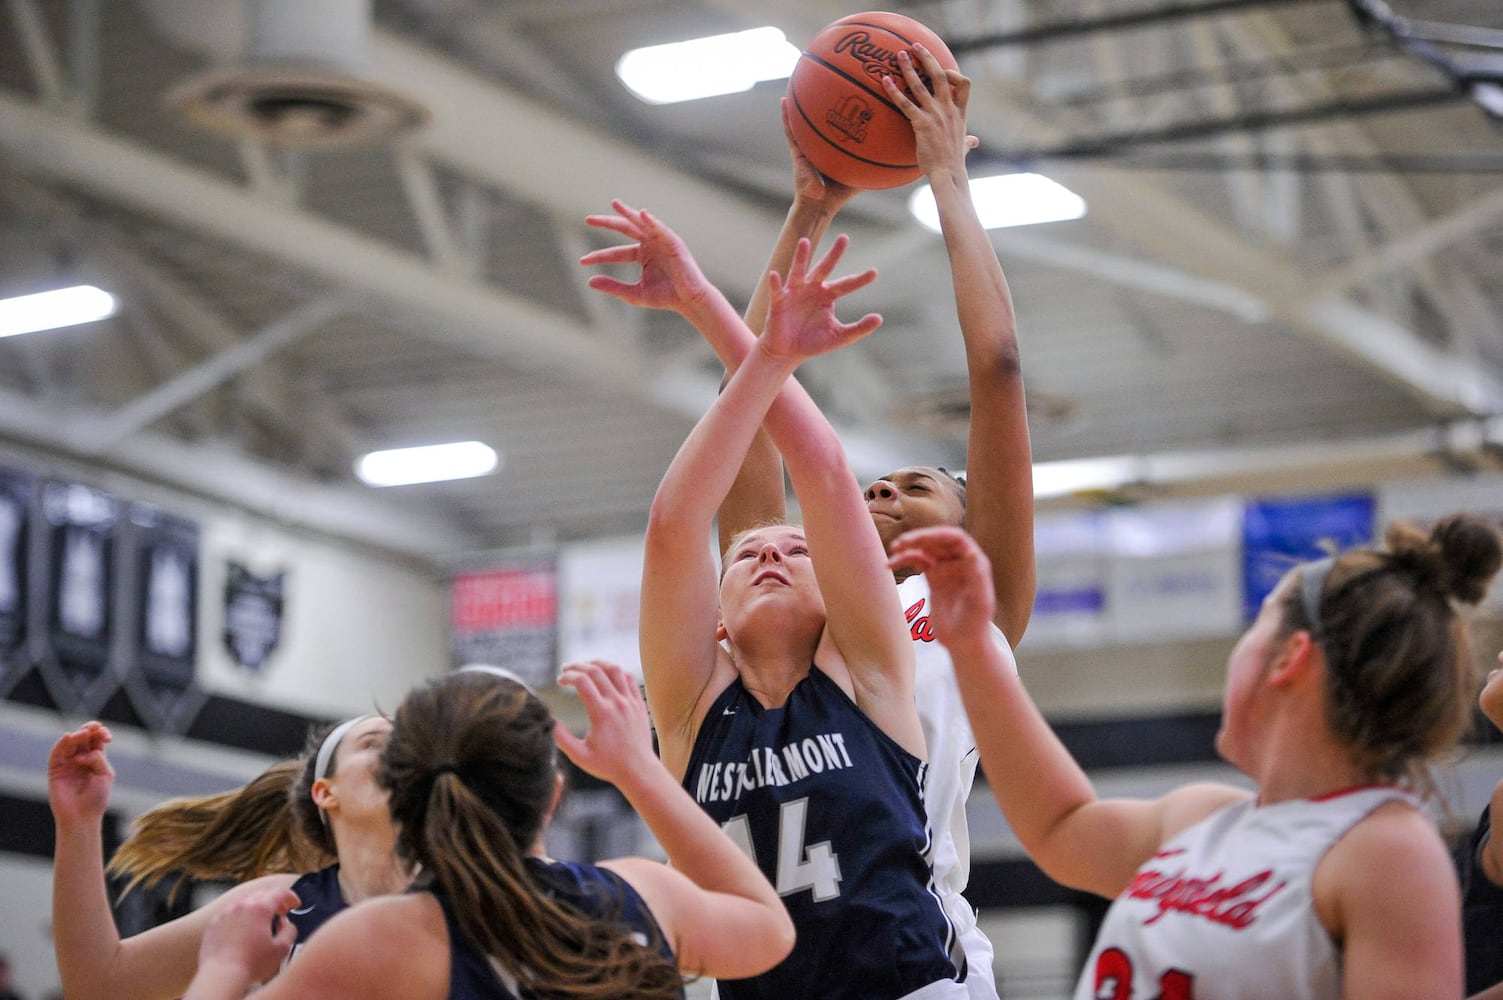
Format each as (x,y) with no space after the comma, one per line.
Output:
(995,502)
(1330,880)
(799,734)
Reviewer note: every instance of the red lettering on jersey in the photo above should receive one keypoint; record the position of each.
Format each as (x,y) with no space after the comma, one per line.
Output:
(1233,905)
(918,627)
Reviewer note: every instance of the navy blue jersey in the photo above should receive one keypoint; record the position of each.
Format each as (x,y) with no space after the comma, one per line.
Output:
(833,811)
(596,892)
(1481,911)
(319,899)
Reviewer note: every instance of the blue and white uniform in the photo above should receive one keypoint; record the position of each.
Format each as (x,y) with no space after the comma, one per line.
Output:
(1225,908)
(319,899)
(593,891)
(952,770)
(832,810)
(1481,910)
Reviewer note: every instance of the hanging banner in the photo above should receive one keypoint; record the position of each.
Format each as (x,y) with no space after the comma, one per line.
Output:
(1279,534)
(82,526)
(252,615)
(15,535)
(601,587)
(1070,606)
(166,605)
(507,617)
(1175,570)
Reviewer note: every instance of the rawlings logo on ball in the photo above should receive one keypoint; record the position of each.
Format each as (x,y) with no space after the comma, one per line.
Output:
(876,61)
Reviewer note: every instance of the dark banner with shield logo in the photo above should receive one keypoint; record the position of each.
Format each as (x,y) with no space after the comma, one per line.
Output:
(15,565)
(252,615)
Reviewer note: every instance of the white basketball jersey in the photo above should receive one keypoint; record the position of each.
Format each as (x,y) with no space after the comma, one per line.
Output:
(952,769)
(1225,911)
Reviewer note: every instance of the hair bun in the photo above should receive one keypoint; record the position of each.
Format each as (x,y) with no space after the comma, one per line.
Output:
(1465,553)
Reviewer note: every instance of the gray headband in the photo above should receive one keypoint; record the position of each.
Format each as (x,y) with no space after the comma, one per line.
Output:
(1312,583)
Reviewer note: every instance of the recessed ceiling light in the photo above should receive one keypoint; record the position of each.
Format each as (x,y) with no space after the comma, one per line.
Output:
(707,67)
(51,310)
(1007,200)
(427,464)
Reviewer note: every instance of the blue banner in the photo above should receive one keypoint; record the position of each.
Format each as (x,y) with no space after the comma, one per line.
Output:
(1279,534)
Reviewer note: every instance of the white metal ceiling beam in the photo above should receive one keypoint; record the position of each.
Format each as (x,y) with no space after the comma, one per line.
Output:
(232,480)
(251,350)
(475,318)
(474,129)
(41,54)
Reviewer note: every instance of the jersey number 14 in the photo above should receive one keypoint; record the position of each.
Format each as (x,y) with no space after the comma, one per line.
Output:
(815,867)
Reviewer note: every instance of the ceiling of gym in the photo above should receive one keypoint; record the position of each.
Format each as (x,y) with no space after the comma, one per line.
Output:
(1289,277)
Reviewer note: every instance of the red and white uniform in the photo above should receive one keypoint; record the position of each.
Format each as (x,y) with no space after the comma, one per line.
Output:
(952,769)
(1224,911)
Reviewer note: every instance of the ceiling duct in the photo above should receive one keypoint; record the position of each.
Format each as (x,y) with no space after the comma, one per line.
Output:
(298,81)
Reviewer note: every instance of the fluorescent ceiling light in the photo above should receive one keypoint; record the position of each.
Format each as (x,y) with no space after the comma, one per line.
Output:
(706,67)
(427,464)
(1007,200)
(50,310)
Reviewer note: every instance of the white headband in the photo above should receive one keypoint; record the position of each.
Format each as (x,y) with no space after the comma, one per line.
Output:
(330,744)
(494,671)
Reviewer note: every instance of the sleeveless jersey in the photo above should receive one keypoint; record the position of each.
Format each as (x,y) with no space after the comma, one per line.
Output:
(952,770)
(594,891)
(1481,911)
(1225,910)
(319,899)
(832,811)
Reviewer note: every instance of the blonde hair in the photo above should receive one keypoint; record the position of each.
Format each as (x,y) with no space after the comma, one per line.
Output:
(269,826)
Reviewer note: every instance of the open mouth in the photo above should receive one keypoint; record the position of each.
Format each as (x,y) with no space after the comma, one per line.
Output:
(763,577)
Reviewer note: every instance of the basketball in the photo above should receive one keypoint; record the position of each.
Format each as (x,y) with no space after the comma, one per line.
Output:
(840,116)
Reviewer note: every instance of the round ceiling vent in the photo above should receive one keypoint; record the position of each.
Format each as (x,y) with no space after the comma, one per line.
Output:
(295,106)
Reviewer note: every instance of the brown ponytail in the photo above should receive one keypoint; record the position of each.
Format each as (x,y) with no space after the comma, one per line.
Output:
(1398,658)
(471,769)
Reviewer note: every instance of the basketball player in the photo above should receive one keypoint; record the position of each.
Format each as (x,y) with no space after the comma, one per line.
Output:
(995,502)
(799,734)
(1330,880)
(1479,862)
(473,777)
(323,806)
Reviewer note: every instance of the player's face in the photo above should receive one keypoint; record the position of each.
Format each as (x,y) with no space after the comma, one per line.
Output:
(356,760)
(1246,667)
(768,572)
(915,497)
(1491,698)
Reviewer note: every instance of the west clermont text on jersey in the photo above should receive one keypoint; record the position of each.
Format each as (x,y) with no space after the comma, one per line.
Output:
(832,810)
(785,765)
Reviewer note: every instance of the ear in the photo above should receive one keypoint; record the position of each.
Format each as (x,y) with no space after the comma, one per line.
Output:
(720,633)
(323,794)
(1298,657)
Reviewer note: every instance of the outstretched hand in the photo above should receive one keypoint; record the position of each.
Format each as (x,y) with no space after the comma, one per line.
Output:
(670,278)
(79,777)
(801,319)
(937,116)
(962,600)
(250,937)
(619,743)
(810,186)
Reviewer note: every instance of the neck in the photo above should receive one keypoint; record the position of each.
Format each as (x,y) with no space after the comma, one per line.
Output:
(369,867)
(772,680)
(1307,762)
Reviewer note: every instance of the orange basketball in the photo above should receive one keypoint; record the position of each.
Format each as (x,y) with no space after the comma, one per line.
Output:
(840,115)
